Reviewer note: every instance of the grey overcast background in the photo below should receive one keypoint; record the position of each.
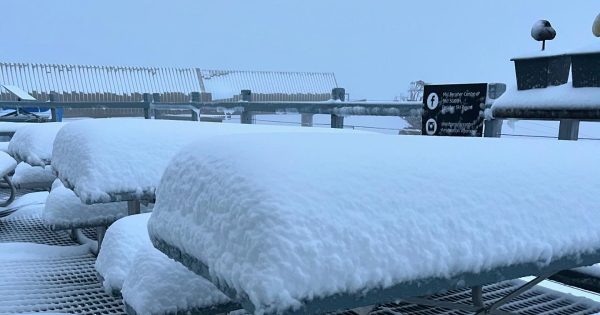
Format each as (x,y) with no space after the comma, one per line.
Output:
(374,47)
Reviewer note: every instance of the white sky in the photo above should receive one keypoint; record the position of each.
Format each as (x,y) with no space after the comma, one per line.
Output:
(375,47)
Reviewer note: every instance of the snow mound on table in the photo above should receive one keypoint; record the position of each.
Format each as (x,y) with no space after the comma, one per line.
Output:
(283,218)
(161,285)
(32,143)
(4,146)
(106,160)
(121,242)
(64,210)
(33,176)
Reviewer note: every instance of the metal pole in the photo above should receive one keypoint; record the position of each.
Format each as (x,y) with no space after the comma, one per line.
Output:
(568,129)
(247,117)
(147,99)
(337,94)
(307,120)
(337,121)
(493,128)
(133,207)
(100,232)
(477,296)
(195,97)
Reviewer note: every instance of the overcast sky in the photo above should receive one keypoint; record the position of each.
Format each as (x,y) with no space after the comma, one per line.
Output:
(374,47)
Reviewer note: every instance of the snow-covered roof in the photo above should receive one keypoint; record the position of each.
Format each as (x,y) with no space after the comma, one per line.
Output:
(81,83)
(105,160)
(225,84)
(282,219)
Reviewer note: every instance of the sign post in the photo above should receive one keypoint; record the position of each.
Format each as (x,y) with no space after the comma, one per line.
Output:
(454,110)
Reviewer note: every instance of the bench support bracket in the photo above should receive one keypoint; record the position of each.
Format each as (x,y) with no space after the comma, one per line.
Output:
(478,307)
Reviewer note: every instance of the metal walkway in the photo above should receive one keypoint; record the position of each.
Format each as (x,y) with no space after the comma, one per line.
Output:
(536,301)
(66,285)
(70,285)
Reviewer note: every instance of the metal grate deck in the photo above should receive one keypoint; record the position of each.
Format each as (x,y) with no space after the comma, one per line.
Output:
(70,284)
(66,285)
(537,301)
(32,230)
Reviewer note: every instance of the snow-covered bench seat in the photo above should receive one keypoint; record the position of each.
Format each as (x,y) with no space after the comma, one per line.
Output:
(107,160)
(32,143)
(587,278)
(7,166)
(151,282)
(8,129)
(33,177)
(311,223)
(64,211)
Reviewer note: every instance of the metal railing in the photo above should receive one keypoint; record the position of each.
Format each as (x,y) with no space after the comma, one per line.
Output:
(569,118)
(247,107)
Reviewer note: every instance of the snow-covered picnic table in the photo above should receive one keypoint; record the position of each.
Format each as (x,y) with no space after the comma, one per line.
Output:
(308,223)
(107,160)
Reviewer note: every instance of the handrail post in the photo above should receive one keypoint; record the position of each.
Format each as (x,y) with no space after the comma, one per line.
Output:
(195,98)
(337,121)
(568,129)
(51,101)
(307,120)
(492,128)
(338,94)
(247,116)
(147,99)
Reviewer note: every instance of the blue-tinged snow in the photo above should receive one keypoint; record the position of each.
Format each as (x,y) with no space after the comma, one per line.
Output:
(103,158)
(552,97)
(286,217)
(151,282)
(63,210)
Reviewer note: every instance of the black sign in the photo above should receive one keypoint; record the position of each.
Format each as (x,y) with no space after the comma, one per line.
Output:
(454,110)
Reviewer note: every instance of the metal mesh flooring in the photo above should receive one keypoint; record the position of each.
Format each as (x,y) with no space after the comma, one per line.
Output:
(70,285)
(537,301)
(32,230)
(66,285)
